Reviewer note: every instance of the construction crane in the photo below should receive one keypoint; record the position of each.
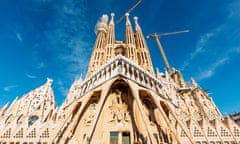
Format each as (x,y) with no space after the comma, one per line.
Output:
(156,36)
(130,10)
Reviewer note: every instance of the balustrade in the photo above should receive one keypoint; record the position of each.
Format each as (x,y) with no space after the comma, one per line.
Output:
(124,67)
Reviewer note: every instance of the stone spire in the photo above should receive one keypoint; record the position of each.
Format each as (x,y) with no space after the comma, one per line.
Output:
(106,47)
(130,41)
(98,52)
(39,101)
(143,55)
(110,39)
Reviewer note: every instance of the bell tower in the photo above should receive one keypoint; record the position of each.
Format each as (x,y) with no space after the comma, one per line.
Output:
(106,47)
(99,49)
(130,41)
(143,56)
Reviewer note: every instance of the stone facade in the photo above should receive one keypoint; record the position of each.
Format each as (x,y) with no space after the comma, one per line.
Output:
(236,117)
(121,101)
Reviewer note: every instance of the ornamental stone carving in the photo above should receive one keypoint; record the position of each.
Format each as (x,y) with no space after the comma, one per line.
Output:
(90,114)
(118,108)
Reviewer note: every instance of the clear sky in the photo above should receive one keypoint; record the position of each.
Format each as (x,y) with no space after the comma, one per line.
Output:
(53,38)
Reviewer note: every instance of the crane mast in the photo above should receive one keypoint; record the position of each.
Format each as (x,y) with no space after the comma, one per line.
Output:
(156,36)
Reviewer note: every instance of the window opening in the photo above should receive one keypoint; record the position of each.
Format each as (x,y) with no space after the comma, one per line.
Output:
(156,137)
(32,119)
(125,138)
(113,137)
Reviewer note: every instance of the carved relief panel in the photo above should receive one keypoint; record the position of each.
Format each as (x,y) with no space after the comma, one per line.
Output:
(91,109)
(90,114)
(118,108)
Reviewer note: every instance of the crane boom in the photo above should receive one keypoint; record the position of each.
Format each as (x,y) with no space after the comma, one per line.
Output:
(168,33)
(130,10)
(173,33)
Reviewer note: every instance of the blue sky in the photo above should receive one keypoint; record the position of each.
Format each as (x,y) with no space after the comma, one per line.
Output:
(52,38)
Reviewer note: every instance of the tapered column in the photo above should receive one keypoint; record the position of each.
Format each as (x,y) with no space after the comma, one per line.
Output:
(110,40)
(130,41)
(143,54)
(98,53)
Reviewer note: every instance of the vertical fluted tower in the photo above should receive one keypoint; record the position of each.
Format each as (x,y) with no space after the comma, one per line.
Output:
(106,47)
(110,40)
(143,56)
(130,41)
(98,53)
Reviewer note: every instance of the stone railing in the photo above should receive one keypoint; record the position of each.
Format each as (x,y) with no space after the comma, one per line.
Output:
(120,65)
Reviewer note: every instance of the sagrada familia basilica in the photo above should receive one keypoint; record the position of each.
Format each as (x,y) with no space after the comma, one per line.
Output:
(121,101)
